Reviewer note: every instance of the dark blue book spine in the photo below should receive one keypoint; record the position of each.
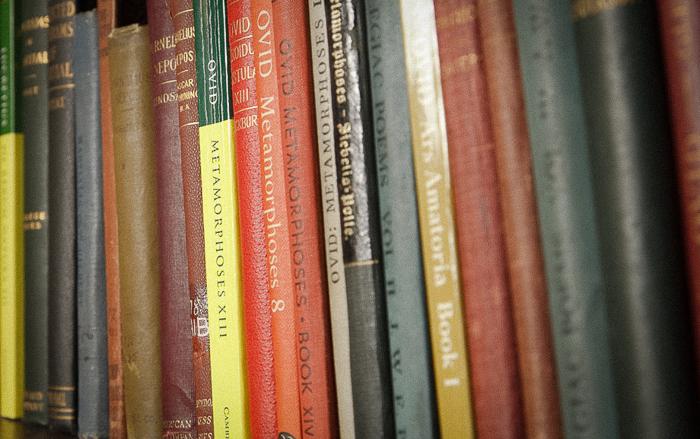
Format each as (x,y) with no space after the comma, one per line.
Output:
(93,420)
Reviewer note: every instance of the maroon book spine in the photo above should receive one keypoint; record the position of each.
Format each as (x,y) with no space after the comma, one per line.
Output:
(680,34)
(177,385)
(488,315)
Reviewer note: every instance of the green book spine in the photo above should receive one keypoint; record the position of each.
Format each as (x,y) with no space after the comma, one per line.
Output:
(637,212)
(567,225)
(11,262)
(409,342)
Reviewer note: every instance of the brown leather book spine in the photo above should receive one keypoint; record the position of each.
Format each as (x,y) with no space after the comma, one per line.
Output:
(117,421)
(135,176)
(183,19)
(523,252)
(487,302)
(680,32)
(177,380)
(316,386)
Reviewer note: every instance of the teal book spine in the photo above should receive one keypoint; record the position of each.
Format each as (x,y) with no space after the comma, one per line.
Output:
(409,339)
(564,191)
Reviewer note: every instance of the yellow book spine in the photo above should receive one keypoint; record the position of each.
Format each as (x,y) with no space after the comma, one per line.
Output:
(224,284)
(11,277)
(436,217)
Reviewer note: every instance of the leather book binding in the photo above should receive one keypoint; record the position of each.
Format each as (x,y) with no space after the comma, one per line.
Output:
(34,33)
(563,185)
(188,122)
(106,10)
(177,378)
(404,282)
(315,367)
(637,212)
(520,228)
(135,167)
(487,303)
(62,396)
(93,397)
(680,35)
(257,311)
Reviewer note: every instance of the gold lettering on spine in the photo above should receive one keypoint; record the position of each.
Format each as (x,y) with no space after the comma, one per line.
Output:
(587,8)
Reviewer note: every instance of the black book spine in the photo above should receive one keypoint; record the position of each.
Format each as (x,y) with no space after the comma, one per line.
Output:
(62,396)
(359,214)
(34,31)
(637,212)
(93,400)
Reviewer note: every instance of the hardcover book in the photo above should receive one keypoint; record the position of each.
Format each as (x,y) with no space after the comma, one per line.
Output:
(62,396)
(93,397)
(136,189)
(488,318)
(34,31)
(637,212)
(220,213)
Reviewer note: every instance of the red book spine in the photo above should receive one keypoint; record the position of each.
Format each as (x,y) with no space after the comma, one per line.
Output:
(316,386)
(117,419)
(279,265)
(256,296)
(489,322)
(524,260)
(183,19)
(680,32)
(177,384)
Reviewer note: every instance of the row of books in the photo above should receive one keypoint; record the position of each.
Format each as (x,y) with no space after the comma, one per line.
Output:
(350,218)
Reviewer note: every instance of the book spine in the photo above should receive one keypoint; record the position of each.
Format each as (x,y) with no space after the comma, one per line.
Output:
(34,30)
(106,10)
(629,137)
(135,175)
(221,229)
(93,398)
(359,220)
(522,242)
(11,253)
(315,369)
(177,379)
(328,176)
(62,396)
(279,267)
(429,135)
(680,32)
(183,19)
(258,318)
(487,303)
(404,281)
(564,192)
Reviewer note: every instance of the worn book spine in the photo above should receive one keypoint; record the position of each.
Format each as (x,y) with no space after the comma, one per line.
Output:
(222,239)
(34,31)
(135,175)
(93,398)
(487,304)
(369,364)
(11,250)
(436,214)
(258,316)
(183,20)
(680,33)
(404,281)
(521,234)
(638,218)
(62,396)
(335,273)
(106,10)
(563,185)
(279,267)
(177,378)
(315,369)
